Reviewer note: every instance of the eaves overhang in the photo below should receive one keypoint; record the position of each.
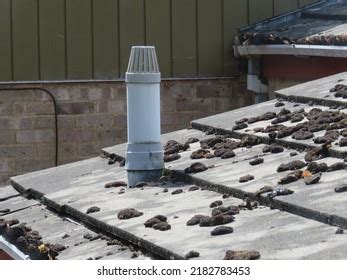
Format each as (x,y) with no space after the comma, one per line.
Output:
(295,50)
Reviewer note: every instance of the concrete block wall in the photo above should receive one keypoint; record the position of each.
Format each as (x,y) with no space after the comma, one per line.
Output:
(277,84)
(92,115)
(26,139)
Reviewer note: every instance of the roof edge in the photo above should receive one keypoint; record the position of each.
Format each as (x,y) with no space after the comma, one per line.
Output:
(284,17)
(296,50)
(12,250)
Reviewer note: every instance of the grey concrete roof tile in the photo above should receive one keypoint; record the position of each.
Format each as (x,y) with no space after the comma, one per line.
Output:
(302,230)
(15,204)
(52,228)
(7,192)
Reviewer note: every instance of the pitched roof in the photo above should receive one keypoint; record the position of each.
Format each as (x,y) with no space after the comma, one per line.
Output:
(294,217)
(319,24)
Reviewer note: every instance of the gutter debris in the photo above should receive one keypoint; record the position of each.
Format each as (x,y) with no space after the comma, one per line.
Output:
(310,31)
(28,240)
(256,39)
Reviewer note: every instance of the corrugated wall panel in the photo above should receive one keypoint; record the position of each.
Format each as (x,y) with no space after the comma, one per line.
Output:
(132,28)
(86,39)
(158,32)
(5,42)
(283,6)
(52,39)
(25,40)
(239,11)
(306,2)
(260,10)
(106,39)
(210,38)
(184,38)
(79,39)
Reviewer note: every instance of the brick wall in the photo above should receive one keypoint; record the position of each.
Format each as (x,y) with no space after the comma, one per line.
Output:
(93,115)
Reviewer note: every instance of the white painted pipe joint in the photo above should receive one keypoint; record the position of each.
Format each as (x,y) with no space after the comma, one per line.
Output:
(144,159)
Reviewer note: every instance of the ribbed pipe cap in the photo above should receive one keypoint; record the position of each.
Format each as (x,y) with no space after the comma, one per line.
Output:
(143,66)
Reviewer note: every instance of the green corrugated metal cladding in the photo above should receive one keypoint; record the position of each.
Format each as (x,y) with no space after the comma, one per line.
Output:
(91,39)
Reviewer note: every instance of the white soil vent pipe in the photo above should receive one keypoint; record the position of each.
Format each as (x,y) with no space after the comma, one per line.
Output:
(144,160)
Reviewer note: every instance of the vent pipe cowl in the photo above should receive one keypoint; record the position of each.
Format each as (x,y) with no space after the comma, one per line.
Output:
(144,160)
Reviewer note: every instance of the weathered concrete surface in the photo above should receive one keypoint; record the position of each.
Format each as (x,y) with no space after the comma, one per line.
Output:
(301,231)
(226,121)
(7,192)
(319,197)
(181,136)
(81,185)
(317,91)
(250,227)
(52,228)
(60,191)
(276,234)
(15,204)
(61,177)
